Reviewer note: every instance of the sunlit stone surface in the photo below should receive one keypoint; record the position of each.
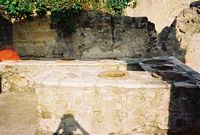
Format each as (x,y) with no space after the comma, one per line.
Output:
(108,97)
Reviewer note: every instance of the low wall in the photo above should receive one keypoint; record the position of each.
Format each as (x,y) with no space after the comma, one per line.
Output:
(97,36)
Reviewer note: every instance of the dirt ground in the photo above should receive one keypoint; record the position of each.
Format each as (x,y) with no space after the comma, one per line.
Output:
(18,114)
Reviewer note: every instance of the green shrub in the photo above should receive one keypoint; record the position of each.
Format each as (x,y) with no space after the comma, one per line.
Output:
(117,6)
(19,9)
(63,12)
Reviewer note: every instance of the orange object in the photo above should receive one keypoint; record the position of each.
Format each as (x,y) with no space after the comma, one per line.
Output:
(8,55)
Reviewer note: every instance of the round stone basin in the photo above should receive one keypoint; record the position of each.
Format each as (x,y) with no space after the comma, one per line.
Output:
(112,74)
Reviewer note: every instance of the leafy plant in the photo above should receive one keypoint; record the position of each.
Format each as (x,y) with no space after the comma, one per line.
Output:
(19,8)
(63,12)
(117,6)
(95,5)
(41,7)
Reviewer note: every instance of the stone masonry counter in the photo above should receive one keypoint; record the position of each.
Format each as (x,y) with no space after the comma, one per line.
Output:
(103,106)
(109,97)
(18,75)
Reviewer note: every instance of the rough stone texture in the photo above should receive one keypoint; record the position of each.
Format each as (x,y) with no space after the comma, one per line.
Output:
(181,39)
(34,38)
(119,106)
(18,76)
(184,94)
(193,52)
(97,36)
(77,94)
(161,12)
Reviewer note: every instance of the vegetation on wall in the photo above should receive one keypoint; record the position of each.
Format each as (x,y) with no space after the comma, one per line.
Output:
(63,12)
(117,6)
(19,9)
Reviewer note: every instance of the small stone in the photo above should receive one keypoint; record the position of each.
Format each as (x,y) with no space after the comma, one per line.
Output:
(46,114)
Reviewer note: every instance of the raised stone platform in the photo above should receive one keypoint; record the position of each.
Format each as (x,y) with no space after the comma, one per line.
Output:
(107,97)
(18,76)
(103,106)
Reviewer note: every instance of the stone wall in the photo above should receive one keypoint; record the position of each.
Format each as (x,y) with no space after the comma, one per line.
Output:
(34,38)
(6,38)
(97,36)
(177,26)
(161,12)
(181,39)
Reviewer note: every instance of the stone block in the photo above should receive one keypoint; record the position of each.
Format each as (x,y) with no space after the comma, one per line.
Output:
(40,25)
(46,115)
(22,36)
(106,105)
(41,49)
(43,35)
(22,26)
(25,48)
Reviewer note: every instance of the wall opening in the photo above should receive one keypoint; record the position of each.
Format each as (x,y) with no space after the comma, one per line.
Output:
(6,36)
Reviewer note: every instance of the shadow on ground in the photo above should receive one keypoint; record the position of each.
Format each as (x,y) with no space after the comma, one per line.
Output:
(68,124)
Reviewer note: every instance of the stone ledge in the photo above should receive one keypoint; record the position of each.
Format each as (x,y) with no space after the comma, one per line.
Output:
(89,78)
(64,62)
(18,75)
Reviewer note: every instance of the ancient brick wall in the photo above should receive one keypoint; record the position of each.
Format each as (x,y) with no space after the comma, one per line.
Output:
(5,33)
(97,36)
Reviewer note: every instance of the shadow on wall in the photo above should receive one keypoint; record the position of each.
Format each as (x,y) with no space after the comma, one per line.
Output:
(184,113)
(68,125)
(184,102)
(184,118)
(184,106)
